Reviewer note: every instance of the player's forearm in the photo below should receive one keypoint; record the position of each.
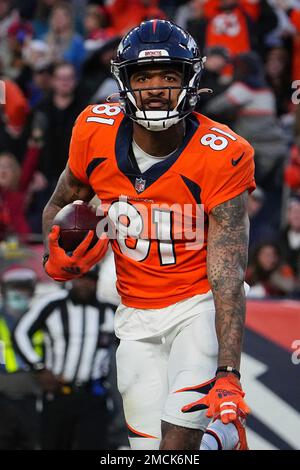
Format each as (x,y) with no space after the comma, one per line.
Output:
(226,262)
(54,205)
(49,213)
(230,318)
(68,189)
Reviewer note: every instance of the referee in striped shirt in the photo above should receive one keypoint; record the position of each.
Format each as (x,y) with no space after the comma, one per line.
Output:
(78,333)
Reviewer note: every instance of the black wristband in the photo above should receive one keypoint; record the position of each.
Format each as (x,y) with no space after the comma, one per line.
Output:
(229,369)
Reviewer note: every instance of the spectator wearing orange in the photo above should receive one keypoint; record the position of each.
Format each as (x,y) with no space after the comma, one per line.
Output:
(211,8)
(229,27)
(238,26)
(15,109)
(124,15)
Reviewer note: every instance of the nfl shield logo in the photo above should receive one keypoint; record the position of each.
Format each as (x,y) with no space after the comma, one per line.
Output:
(140,184)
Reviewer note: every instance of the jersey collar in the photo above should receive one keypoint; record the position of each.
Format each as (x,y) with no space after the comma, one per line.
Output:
(126,160)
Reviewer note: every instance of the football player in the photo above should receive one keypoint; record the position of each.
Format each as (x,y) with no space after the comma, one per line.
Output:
(151,159)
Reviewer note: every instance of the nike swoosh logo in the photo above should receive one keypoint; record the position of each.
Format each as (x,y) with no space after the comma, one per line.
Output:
(235,162)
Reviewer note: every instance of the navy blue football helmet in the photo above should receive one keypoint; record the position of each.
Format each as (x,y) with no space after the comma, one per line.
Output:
(158,42)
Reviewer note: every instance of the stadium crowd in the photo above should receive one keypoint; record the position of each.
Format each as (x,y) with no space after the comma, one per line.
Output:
(55,60)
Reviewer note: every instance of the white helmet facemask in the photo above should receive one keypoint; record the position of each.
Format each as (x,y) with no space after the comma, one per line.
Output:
(159,120)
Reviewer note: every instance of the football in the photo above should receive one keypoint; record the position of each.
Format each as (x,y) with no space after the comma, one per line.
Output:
(75,220)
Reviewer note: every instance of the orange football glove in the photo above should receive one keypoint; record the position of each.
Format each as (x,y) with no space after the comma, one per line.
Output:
(222,401)
(62,267)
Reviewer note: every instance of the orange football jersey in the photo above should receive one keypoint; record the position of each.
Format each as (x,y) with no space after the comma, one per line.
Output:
(161,215)
(230,29)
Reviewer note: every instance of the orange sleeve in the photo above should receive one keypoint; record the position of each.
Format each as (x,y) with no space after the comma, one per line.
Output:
(78,150)
(231,175)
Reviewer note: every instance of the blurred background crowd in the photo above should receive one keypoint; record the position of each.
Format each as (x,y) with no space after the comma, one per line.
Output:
(55,60)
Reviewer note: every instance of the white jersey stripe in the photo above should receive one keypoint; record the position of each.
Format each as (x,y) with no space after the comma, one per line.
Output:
(101,364)
(48,351)
(55,328)
(75,319)
(89,347)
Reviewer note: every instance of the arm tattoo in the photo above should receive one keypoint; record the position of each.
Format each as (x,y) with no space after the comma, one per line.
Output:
(227,255)
(68,190)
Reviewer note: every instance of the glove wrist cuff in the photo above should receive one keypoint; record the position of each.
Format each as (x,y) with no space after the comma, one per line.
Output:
(229,369)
